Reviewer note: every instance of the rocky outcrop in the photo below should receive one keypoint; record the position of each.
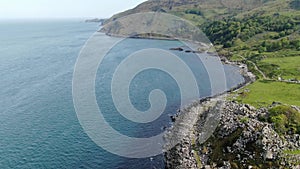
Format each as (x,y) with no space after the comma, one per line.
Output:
(97,20)
(241,140)
(180,138)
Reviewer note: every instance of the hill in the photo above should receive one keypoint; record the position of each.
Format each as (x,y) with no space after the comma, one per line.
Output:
(197,10)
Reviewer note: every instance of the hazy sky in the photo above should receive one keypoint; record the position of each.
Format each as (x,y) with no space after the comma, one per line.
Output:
(63,8)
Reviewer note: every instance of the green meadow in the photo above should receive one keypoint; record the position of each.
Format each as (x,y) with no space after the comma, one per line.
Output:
(263,93)
(289,66)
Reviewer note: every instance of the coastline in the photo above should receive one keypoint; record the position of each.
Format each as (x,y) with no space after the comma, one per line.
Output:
(202,47)
(185,121)
(188,122)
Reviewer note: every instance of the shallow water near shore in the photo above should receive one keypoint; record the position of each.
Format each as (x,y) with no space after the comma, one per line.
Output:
(38,124)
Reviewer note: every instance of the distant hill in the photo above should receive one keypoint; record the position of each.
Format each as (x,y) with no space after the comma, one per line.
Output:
(206,11)
(201,10)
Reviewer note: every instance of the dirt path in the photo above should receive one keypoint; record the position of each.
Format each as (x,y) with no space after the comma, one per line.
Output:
(255,67)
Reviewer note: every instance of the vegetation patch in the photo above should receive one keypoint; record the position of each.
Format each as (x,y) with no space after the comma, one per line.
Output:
(292,152)
(218,145)
(289,67)
(220,154)
(230,30)
(198,160)
(286,120)
(244,120)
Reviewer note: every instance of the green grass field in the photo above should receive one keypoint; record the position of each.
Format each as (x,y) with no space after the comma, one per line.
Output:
(295,152)
(263,93)
(290,66)
(282,53)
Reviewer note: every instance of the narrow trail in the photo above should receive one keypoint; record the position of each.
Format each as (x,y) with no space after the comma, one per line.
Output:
(255,67)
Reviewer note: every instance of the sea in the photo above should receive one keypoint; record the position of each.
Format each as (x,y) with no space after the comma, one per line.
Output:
(39,128)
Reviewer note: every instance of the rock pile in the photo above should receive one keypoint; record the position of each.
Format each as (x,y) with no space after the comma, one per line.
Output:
(241,140)
(180,138)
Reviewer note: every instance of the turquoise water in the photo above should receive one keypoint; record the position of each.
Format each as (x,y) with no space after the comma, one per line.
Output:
(38,124)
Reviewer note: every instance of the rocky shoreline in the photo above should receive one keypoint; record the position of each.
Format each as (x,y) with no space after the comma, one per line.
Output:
(239,140)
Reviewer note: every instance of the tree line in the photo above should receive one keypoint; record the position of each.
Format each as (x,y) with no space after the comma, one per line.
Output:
(230,30)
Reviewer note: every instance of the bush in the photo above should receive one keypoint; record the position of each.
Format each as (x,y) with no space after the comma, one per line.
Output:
(244,120)
(285,119)
(193,11)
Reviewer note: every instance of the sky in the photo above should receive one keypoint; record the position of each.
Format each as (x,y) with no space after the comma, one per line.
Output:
(20,9)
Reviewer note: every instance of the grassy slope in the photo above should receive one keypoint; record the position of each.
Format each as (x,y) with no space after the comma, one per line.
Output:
(263,93)
(290,66)
(295,152)
(210,9)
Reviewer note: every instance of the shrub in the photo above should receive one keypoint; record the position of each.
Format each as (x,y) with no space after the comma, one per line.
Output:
(285,119)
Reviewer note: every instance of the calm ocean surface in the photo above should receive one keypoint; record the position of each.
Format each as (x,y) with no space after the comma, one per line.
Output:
(38,123)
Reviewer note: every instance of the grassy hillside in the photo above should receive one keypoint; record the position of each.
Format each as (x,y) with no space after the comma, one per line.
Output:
(198,11)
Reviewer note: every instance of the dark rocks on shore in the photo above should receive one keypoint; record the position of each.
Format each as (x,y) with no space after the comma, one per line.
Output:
(179,49)
(186,51)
